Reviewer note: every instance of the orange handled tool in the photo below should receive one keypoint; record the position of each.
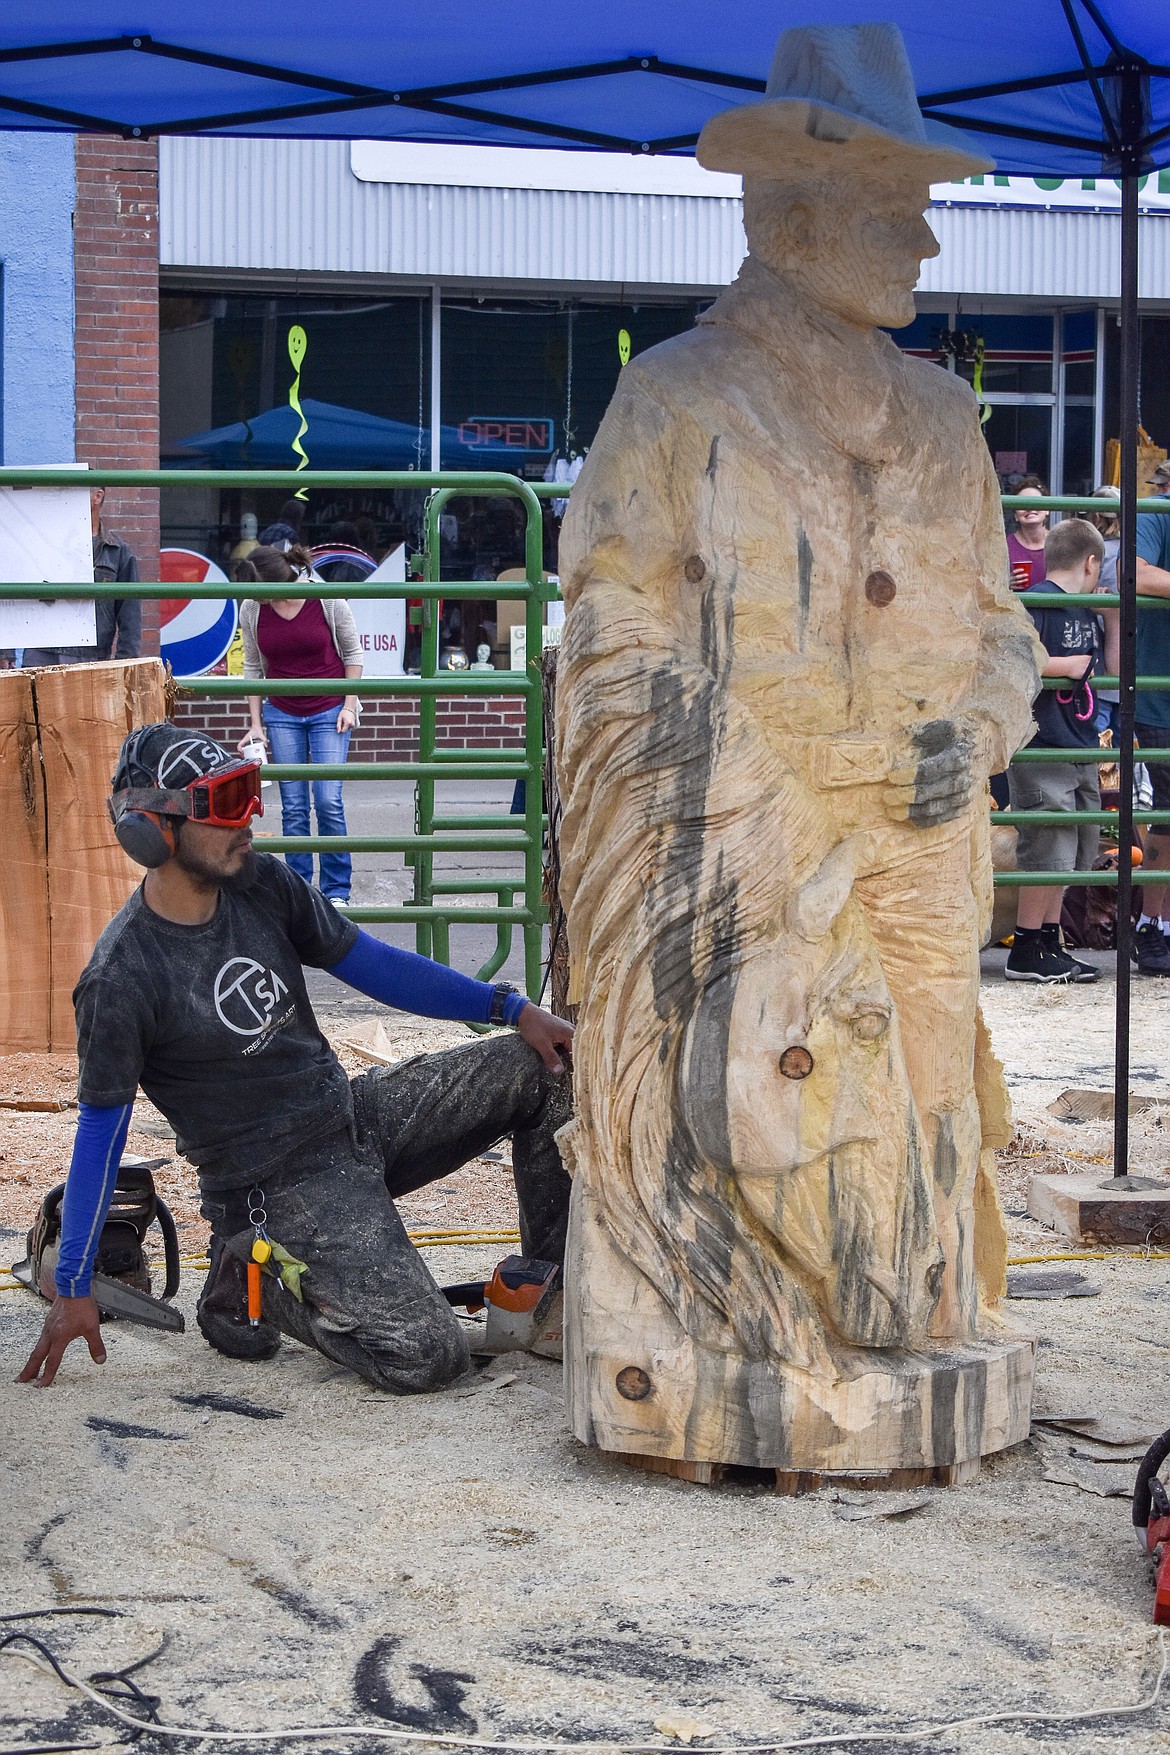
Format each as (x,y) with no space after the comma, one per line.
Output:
(261,1250)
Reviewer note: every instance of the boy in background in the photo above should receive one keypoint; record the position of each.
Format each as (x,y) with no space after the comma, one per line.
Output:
(1064,717)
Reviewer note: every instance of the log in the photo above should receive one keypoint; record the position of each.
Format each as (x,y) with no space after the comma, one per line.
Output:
(84,712)
(24,889)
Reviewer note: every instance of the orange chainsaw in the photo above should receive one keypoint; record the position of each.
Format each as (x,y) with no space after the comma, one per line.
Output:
(1151,1518)
(525,1304)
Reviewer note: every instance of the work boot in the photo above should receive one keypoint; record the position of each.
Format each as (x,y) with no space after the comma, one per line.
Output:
(1077,971)
(1030,959)
(222,1310)
(1149,950)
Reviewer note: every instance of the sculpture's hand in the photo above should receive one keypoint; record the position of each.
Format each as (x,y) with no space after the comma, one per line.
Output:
(935,777)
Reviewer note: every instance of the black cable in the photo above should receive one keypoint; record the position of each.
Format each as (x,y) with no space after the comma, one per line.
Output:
(39,1614)
(130,1693)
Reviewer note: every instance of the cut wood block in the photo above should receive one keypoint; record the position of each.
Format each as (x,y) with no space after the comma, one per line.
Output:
(24,891)
(84,712)
(1087,1209)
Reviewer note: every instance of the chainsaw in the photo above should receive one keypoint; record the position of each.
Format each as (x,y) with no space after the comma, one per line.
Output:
(121,1279)
(1151,1517)
(525,1304)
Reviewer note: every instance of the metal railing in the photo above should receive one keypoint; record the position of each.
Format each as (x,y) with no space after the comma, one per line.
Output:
(1039,818)
(438,900)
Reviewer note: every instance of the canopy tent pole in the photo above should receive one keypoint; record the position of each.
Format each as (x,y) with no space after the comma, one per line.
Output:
(1127,666)
(1131,119)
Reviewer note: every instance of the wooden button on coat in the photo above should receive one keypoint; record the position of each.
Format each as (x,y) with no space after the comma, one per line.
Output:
(880,589)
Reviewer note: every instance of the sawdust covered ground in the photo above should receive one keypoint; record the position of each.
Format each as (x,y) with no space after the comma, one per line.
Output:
(458,1563)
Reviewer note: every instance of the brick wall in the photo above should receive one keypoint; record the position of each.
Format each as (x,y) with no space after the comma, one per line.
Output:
(115,249)
(389,729)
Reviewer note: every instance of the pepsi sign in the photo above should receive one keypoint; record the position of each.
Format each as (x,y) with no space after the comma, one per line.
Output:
(194,632)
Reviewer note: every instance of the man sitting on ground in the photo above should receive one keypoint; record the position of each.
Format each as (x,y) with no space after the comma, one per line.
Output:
(1072,559)
(196,992)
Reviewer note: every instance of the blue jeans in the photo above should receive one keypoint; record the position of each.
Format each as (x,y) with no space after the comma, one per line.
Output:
(312,738)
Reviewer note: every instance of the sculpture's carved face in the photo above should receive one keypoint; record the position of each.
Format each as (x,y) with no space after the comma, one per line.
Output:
(854,248)
(817,1126)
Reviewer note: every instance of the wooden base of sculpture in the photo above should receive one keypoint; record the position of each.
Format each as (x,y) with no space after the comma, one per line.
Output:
(934,1412)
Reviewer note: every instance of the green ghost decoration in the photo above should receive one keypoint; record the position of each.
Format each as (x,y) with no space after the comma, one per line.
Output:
(298,343)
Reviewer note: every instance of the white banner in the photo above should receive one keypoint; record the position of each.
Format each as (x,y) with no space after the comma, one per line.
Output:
(1093,194)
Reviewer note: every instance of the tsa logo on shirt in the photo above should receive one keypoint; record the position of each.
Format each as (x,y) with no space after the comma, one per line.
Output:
(247,995)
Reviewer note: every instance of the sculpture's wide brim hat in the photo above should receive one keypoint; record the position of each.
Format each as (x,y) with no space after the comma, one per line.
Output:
(839,98)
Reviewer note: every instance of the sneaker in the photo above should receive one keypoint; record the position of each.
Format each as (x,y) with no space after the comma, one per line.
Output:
(1033,960)
(339,901)
(1077,971)
(1080,972)
(1149,950)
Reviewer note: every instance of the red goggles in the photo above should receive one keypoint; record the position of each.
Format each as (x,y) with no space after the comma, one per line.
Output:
(229,799)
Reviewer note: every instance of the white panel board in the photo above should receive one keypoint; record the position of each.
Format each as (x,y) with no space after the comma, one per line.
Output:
(45,538)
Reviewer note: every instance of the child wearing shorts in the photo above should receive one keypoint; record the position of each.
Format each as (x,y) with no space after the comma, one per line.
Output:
(1064,717)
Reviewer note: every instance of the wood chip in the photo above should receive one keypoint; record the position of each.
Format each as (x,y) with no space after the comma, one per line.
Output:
(1108,1429)
(39,1105)
(1080,1105)
(866,1507)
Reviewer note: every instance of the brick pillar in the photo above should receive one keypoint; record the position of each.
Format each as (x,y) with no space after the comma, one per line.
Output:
(115,252)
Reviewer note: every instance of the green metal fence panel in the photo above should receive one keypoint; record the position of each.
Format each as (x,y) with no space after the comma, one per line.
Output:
(439,833)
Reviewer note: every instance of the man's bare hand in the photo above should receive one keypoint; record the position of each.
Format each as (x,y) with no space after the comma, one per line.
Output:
(70,1319)
(936,779)
(546,1033)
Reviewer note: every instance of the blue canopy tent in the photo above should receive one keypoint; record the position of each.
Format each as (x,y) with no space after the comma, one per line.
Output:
(337,438)
(346,438)
(1062,88)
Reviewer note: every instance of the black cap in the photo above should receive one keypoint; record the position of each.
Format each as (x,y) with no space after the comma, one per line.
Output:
(169,758)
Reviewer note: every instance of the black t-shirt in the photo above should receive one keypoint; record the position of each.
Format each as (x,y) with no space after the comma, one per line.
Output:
(214,1023)
(1064,633)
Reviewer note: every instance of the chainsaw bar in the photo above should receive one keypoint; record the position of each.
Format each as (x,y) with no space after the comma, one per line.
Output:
(115,1298)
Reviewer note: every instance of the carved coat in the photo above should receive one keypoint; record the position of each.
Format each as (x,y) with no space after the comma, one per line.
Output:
(833,501)
(789,532)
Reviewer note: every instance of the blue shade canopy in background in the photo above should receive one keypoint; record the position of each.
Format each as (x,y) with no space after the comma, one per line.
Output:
(1034,82)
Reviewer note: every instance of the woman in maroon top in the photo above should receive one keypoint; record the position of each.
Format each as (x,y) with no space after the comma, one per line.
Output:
(1026,541)
(302,637)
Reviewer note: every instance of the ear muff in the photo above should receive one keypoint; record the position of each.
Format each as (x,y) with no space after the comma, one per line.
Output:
(148,838)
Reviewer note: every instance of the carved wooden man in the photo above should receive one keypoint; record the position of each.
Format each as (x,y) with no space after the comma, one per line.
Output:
(790,663)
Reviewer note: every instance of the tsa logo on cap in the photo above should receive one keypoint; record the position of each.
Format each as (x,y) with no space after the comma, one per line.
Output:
(194,633)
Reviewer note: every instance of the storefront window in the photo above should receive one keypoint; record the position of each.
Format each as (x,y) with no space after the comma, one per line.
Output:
(231,370)
(523,388)
(1019,437)
(1017,353)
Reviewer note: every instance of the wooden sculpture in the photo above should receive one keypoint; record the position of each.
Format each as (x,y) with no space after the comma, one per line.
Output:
(790,662)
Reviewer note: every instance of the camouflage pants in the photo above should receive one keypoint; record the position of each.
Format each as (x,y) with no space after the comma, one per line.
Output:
(369,1301)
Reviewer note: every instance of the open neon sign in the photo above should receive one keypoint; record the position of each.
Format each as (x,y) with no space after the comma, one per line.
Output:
(481,432)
